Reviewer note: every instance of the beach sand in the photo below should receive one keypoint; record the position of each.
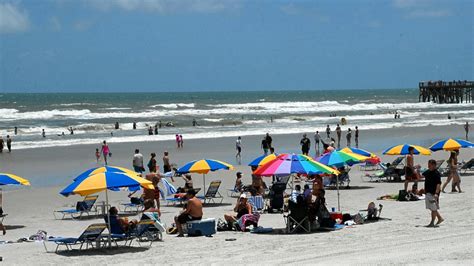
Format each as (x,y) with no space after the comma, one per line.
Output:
(401,240)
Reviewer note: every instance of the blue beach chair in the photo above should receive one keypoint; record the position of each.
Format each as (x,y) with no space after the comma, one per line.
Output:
(82,207)
(90,236)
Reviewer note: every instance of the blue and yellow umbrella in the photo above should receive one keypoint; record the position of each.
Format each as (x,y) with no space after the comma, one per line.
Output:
(203,167)
(103,181)
(261,160)
(451,145)
(403,150)
(104,169)
(10,179)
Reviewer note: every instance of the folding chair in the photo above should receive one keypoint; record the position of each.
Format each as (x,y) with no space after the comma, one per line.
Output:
(468,166)
(297,220)
(82,207)
(90,236)
(2,214)
(212,193)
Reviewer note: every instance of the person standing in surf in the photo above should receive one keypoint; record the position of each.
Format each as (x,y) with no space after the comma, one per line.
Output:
(317,139)
(348,137)
(328,131)
(305,145)
(338,133)
(466,128)
(356,137)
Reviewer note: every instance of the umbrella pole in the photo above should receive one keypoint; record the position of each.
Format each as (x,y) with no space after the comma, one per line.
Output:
(109,240)
(337,186)
(204,181)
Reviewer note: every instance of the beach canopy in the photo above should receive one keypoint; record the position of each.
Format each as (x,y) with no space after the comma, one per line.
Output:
(203,167)
(261,160)
(103,181)
(451,145)
(10,179)
(104,169)
(340,158)
(402,149)
(287,164)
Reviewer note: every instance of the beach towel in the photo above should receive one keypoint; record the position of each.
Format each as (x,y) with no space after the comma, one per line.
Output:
(247,220)
(170,189)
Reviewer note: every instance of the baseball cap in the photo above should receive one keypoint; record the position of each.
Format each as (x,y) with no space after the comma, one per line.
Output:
(243,196)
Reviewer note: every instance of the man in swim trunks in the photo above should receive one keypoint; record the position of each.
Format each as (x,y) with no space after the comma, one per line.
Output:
(192,212)
(410,171)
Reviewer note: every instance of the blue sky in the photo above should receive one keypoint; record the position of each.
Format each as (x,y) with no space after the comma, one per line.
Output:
(202,45)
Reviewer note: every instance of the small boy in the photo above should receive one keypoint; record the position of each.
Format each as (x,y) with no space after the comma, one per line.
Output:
(97,155)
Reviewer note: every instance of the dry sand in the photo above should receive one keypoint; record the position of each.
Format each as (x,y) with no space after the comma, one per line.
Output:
(402,240)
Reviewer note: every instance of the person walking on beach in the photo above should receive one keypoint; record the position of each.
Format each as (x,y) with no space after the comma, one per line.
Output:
(178,141)
(152,163)
(410,172)
(166,163)
(105,151)
(432,189)
(238,147)
(305,145)
(317,139)
(97,155)
(138,162)
(328,131)
(453,173)
(181,141)
(356,139)
(348,137)
(269,140)
(9,143)
(466,128)
(264,145)
(338,133)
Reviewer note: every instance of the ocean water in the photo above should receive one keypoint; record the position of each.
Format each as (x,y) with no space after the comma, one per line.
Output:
(219,114)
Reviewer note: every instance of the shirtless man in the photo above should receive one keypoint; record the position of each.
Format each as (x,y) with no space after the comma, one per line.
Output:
(153,194)
(192,212)
(410,171)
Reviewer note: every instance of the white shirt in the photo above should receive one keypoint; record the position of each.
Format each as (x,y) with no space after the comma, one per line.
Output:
(238,143)
(138,160)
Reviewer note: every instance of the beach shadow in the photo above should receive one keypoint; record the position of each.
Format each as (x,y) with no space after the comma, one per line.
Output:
(101,251)
(350,188)
(207,205)
(13,227)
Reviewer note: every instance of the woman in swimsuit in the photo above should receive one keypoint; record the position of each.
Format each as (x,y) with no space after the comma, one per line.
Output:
(105,151)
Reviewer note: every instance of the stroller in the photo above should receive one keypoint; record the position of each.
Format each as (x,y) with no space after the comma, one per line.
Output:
(276,199)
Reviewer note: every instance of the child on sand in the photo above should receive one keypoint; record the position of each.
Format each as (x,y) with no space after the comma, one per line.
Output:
(97,155)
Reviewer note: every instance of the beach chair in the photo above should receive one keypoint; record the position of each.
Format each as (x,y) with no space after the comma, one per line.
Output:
(2,214)
(257,202)
(468,166)
(297,219)
(233,193)
(143,232)
(212,193)
(82,207)
(89,237)
(398,162)
(132,207)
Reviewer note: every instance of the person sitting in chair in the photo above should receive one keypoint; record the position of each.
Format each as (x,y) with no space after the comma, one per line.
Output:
(192,211)
(241,208)
(119,225)
(295,193)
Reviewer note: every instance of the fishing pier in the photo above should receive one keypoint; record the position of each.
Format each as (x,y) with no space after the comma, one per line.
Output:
(446,91)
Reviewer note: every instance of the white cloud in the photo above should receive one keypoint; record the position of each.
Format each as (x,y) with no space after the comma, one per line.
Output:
(429,13)
(12,19)
(83,25)
(166,6)
(55,24)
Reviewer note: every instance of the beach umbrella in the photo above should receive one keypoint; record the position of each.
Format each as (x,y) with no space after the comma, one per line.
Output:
(203,167)
(287,164)
(451,145)
(373,158)
(340,159)
(105,181)
(261,160)
(402,149)
(11,179)
(104,169)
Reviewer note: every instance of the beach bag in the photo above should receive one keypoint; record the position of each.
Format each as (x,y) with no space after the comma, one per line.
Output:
(222,225)
(402,195)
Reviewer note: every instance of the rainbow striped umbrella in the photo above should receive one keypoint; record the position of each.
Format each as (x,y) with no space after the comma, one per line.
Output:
(403,150)
(287,164)
(261,160)
(373,158)
(10,179)
(104,169)
(451,145)
(340,158)
(203,167)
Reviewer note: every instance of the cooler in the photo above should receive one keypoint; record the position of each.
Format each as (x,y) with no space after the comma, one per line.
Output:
(204,227)
(336,215)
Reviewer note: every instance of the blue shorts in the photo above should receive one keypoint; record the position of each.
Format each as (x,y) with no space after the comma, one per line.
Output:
(137,169)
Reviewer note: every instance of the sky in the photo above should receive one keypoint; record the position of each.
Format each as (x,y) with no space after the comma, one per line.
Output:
(210,45)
